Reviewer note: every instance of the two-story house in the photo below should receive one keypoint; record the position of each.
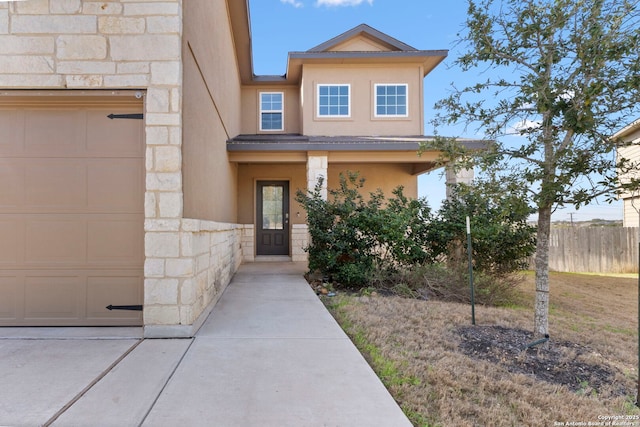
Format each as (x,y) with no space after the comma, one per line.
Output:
(352,103)
(142,161)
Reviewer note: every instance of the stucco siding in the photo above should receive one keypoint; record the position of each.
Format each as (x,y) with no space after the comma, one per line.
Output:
(211,112)
(383,176)
(362,120)
(251,109)
(360,44)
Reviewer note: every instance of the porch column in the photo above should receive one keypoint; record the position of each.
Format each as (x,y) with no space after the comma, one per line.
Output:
(317,164)
(464,176)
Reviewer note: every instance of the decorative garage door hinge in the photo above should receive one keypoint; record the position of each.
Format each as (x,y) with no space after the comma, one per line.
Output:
(124,307)
(138,116)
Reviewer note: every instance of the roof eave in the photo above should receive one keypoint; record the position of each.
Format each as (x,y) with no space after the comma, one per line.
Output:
(627,130)
(295,142)
(321,146)
(241,31)
(429,59)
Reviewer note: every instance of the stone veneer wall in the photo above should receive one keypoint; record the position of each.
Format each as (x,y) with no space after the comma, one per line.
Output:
(181,289)
(299,240)
(131,44)
(248,243)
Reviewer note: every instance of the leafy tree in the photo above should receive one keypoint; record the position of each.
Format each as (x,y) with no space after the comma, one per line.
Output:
(563,75)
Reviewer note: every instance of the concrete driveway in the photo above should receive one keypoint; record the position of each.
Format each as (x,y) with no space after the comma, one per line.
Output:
(269,355)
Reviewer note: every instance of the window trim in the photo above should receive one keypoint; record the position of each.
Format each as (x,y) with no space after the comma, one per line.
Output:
(333,116)
(261,111)
(375,101)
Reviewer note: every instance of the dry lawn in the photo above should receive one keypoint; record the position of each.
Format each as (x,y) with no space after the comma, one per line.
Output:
(417,349)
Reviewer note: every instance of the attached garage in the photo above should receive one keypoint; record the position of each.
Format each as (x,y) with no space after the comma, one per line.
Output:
(71,208)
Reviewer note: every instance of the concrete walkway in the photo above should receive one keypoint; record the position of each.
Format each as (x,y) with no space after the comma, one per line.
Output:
(269,355)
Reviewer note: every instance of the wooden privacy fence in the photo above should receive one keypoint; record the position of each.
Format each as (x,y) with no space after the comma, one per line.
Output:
(593,250)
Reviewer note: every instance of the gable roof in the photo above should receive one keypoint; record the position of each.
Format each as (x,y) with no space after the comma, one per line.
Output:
(363,30)
(382,49)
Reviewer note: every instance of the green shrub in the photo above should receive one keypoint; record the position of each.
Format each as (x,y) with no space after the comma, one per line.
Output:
(393,244)
(502,240)
(351,237)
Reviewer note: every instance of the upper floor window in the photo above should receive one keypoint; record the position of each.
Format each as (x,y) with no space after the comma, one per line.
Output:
(391,100)
(334,100)
(271,111)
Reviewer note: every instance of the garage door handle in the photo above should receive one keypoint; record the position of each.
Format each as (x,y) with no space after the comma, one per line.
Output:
(126,116)
(124,307)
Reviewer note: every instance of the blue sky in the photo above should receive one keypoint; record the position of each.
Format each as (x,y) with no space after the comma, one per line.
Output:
(282,26)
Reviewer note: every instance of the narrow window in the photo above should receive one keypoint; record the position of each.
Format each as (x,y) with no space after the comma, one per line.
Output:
(391,100)
(271,111)
(334,101)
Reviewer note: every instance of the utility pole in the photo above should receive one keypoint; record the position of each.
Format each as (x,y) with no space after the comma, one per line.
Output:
(571,214)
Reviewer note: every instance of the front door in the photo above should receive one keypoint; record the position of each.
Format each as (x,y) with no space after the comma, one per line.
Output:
(272,218)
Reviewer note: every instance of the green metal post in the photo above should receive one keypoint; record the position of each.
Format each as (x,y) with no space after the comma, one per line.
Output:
(469,251)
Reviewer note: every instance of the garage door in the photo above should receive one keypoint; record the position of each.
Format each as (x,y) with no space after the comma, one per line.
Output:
(71,210)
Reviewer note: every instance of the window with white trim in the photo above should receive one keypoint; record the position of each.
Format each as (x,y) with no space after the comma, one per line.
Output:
(334,100)
(391,100)
(271,111)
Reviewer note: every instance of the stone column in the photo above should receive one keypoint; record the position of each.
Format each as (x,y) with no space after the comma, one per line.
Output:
(317,164)
(461,176)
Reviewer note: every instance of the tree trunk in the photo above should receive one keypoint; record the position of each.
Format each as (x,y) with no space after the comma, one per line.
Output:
(541,320)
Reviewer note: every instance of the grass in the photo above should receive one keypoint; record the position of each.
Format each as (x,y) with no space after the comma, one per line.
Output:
(414,347)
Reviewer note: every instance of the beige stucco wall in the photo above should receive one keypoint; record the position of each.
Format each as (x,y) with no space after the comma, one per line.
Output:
(360,44)
(384,176)
(211,112)
(362,79)
(251,109)
(377,175)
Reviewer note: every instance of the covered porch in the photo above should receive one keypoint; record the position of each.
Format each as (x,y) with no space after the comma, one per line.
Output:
(284,164)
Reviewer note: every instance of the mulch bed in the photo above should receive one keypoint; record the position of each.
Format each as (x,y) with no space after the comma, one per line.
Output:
(554,362)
